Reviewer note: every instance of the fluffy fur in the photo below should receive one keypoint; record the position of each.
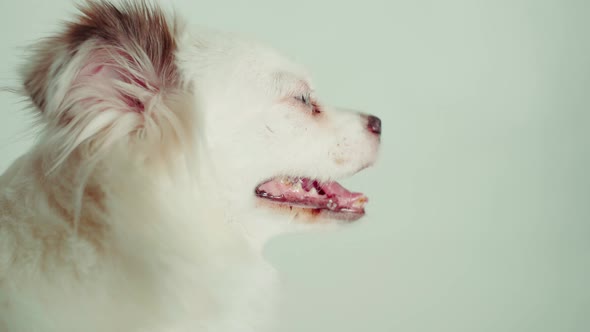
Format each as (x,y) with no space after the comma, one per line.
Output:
(135,209)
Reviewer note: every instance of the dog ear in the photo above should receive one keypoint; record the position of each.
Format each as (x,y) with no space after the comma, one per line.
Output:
(107,75)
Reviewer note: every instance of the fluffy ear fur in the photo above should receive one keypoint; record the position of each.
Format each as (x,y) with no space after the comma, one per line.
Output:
(109,75)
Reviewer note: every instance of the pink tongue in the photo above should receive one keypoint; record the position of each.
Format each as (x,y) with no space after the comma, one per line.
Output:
(330,195)
(334,188)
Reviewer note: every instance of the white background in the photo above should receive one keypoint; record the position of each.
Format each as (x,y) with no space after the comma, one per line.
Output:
(480,204)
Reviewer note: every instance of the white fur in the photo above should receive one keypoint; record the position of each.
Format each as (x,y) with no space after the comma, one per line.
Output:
(174,242)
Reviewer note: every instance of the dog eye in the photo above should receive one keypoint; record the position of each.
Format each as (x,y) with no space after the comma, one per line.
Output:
(309,102)
(306,99)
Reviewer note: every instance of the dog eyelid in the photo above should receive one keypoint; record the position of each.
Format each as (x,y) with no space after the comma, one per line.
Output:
(304,97)
(309,101)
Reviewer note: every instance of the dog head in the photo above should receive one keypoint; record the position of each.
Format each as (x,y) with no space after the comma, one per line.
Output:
(260,137)
(277,148)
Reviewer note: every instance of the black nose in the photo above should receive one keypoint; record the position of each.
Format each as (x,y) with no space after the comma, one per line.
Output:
(374,124)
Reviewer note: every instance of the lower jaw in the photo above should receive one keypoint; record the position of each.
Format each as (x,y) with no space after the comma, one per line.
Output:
(308,214)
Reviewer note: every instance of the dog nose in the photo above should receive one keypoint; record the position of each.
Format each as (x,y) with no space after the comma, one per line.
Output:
(374,124)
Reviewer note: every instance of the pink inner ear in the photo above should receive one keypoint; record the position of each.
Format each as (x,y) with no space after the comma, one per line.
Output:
(135,104)
(96,70)
(106,76)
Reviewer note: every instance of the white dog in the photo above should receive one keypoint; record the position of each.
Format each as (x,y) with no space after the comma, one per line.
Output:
(166,158)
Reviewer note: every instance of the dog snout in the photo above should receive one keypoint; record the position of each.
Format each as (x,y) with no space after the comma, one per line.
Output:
(374,124)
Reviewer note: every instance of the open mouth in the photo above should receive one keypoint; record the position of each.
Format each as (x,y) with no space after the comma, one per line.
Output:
(312,194)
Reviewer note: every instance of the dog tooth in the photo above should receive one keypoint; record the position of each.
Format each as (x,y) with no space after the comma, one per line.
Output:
(313,191)
(332,205)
